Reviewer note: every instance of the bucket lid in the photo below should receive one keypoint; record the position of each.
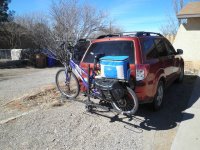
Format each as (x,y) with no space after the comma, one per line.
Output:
(114,58)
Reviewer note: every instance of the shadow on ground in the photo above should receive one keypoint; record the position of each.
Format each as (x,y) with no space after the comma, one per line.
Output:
(176,100)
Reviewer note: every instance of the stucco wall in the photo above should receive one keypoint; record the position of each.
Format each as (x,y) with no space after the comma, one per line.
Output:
(188,39)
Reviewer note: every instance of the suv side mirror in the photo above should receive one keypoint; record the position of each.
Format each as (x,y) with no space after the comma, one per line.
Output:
(179,51)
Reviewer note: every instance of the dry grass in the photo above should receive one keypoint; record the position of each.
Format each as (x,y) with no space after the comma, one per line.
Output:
(192,67)
(48,95)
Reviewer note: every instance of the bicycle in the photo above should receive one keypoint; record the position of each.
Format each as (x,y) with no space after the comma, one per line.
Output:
(119,94)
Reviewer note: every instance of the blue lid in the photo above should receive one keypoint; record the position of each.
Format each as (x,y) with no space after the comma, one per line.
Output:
(115,58)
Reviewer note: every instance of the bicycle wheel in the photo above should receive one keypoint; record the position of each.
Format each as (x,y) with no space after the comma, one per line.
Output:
(67,83)
(128,105)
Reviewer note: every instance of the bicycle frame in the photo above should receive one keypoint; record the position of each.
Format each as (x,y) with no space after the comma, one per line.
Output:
(78,72)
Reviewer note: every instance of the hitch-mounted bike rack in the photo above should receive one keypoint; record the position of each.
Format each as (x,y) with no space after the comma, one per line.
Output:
(90,105)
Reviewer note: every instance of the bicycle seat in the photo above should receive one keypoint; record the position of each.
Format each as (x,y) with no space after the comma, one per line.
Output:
(97,56)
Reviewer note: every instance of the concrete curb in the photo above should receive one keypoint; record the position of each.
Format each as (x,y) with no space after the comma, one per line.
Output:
(188,134)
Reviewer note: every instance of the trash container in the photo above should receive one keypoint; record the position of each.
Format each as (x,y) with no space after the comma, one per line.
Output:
(51,62)
(40,60)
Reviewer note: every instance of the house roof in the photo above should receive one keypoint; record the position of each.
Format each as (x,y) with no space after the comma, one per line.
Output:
(191,10)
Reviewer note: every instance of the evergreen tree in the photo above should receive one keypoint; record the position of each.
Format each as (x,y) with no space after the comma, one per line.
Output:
(5,14)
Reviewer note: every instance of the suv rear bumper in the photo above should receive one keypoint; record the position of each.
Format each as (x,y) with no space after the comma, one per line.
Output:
(144,92)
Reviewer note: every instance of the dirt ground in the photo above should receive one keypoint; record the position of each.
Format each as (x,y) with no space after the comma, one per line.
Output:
(40,121)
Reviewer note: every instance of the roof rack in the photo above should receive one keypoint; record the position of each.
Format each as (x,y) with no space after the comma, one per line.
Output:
(131,34)
(108,35)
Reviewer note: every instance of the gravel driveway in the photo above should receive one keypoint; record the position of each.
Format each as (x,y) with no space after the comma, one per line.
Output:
(67,127)
(16,82)
(71,127)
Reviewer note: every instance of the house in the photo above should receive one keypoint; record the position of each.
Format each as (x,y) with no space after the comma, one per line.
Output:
(188,35)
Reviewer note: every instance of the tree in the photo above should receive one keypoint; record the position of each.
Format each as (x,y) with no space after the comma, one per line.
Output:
(24,32)
(171,27)
(70,22)
(178,5)
(109,29)
(6,36)
(12,35)
(73,21)
(38,29)
(5,15)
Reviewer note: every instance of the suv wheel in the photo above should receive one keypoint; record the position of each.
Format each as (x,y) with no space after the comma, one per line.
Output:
(158,99)
(181,75)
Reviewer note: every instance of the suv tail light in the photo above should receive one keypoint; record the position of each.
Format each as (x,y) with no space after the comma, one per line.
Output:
(141,71)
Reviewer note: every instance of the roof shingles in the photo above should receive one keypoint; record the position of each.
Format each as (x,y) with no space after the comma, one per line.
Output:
(191,10)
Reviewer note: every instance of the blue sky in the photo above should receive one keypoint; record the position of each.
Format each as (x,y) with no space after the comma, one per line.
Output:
(130,15)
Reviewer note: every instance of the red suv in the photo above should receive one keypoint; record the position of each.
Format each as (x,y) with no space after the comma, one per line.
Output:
(153,61)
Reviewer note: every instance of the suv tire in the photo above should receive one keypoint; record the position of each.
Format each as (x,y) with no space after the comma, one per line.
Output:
(181,75)
(158,99)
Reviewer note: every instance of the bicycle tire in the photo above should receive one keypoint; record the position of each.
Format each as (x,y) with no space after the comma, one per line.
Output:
(133,101)
(75,84)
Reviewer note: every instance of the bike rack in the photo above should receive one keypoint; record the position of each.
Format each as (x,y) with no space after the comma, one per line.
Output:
(90,104)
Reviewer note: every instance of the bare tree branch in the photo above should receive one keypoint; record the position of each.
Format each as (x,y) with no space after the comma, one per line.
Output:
(171,27)
(69,22)
(11,34)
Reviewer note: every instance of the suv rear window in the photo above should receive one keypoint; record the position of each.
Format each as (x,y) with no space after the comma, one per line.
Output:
(111,48)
